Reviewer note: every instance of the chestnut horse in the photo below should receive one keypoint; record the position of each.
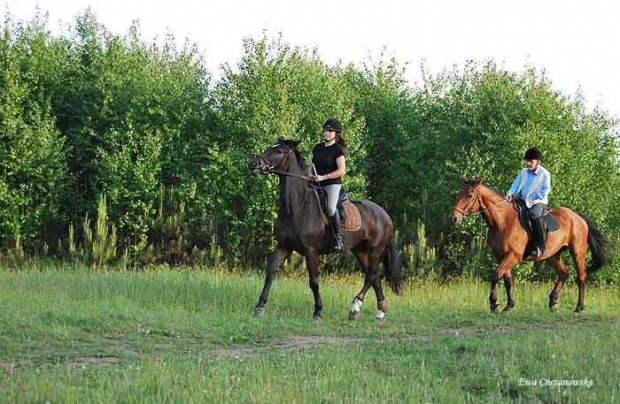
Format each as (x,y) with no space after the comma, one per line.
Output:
(508,240)
(300,227)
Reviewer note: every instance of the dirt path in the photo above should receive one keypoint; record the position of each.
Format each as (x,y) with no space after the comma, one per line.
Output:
(300,342)
(281,345)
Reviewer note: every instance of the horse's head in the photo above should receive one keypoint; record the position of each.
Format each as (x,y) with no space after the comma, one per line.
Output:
(467,200)
(274,158)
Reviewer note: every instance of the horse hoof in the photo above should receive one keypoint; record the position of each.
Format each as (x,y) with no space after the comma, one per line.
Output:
(554,307)
(354,315)
(380,315)
(317,318)
(259,312)
(495,309)
(508,307)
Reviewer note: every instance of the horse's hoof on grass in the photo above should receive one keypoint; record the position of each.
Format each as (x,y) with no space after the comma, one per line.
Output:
(354,315)
(554,307)
(508,307)
(380,315)
(496,309)
(259,312)
(317,318)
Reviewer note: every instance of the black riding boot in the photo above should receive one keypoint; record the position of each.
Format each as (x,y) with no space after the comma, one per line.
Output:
(538,236)
(335,224)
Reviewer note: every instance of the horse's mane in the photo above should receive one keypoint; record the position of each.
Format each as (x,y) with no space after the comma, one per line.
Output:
(484,184)
(492,189)
(292,144)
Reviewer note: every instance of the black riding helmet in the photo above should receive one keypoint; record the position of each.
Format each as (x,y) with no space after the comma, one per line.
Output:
(332,124)
(533,154)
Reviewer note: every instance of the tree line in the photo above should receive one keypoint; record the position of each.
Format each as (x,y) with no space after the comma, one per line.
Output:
(137,144)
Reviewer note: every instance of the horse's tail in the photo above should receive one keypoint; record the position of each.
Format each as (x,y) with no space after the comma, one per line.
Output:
(599,246)
(391,267)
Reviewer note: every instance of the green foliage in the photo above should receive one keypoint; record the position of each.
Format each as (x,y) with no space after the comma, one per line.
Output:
(479,121)
(90,113)
(100,239)
(31,161)
(418,258)
(134,116)
(130,170)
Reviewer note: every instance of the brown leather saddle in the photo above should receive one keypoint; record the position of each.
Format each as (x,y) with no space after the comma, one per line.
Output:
(549,222)
(353,219)
(350,218)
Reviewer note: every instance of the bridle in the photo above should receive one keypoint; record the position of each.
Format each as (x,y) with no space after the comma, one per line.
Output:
(265,168)
(476,198)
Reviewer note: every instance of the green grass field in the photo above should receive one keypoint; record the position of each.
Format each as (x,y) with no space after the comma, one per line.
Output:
(190,337)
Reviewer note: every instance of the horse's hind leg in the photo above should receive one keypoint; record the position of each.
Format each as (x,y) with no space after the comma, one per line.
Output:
(358,300)
(493,297)
(579,256)
(354,311)
(276,259)
(556,263)
(382,307)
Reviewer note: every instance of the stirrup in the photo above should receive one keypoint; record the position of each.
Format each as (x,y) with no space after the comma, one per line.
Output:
(337,245)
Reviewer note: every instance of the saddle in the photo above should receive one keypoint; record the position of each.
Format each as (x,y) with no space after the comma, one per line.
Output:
(350,219)
(548,221)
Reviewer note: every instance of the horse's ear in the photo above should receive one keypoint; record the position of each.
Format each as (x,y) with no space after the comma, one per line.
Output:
(464,178)
(290,143)
(477,181)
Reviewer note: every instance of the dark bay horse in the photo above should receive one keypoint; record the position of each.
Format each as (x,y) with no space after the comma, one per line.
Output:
(508,240)
(300,227)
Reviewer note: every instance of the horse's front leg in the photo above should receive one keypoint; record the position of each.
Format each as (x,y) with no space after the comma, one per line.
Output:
(312,261)
(276,260)
(508,284)
(506,264)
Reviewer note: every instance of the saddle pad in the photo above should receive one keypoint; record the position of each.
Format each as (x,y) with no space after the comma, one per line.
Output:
(353,220)
(550,224)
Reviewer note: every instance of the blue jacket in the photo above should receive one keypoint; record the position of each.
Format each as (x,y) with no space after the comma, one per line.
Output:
(532,186)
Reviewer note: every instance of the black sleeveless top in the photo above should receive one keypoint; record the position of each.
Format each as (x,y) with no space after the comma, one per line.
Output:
(324,159)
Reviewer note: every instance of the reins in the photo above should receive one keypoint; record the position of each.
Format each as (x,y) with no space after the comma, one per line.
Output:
(270,169)
(303,177)
(466,212)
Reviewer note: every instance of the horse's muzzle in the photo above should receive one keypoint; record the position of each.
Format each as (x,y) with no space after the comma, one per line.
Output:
(456,218)
(254,168)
